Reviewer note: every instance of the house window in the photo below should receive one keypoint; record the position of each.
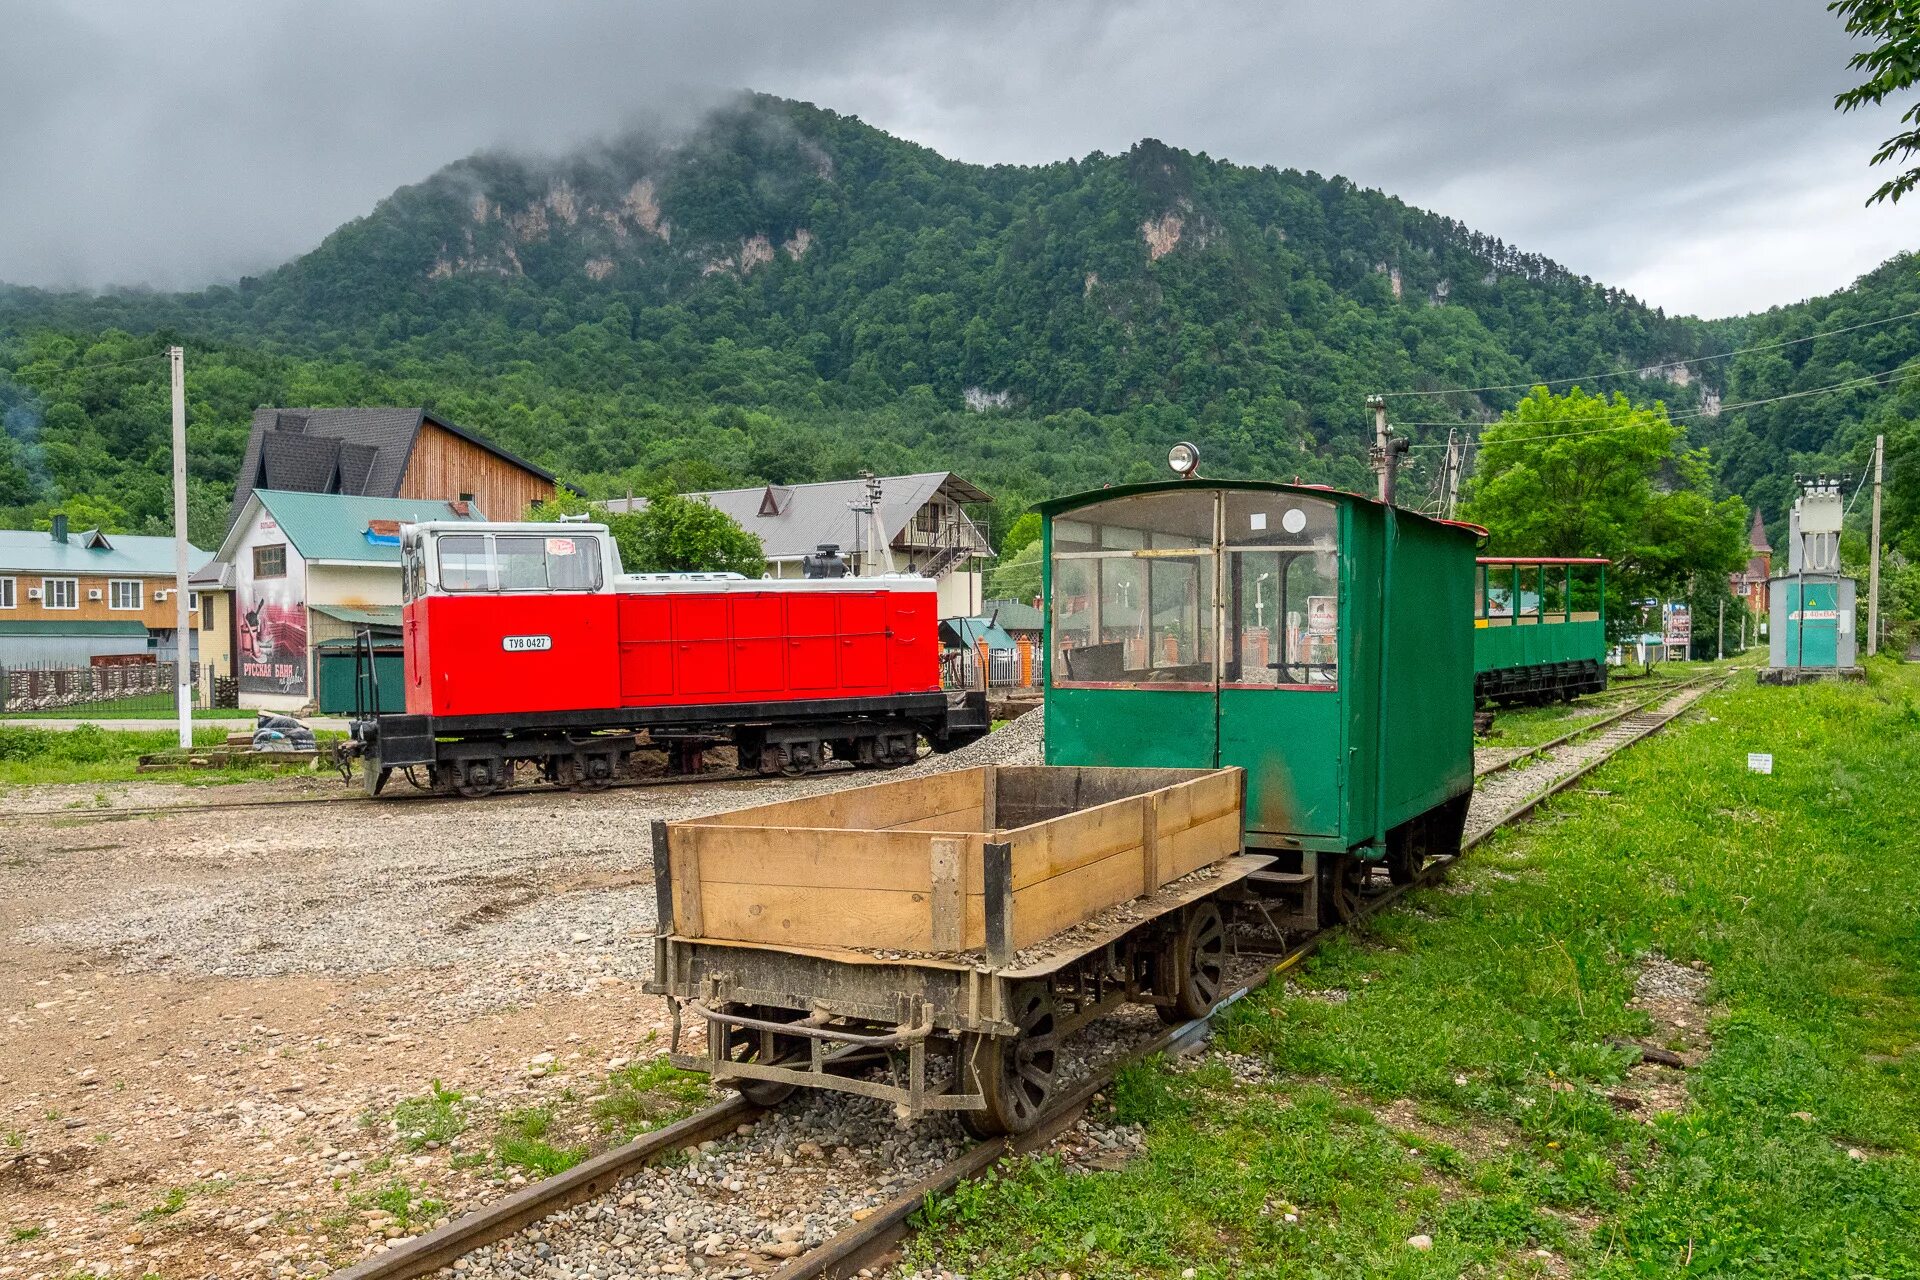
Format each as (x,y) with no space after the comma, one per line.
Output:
(206,610)
(59,593)
(7,590)
(124,593)
(270,562)
(927,519)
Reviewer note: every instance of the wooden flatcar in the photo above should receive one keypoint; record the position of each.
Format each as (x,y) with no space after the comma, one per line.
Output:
(949,930)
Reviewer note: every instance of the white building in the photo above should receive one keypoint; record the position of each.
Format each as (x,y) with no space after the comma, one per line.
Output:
(918,524)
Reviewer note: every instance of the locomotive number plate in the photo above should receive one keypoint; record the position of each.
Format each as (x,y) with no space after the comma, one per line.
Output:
(526,644)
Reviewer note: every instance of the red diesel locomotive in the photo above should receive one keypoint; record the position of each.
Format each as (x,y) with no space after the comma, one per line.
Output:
(526,645)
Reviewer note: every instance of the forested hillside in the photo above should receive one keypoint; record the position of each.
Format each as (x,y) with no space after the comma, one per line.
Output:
(789,294)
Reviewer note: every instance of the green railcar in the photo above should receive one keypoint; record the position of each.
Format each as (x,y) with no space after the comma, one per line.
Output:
(1540,627)
(1320,640)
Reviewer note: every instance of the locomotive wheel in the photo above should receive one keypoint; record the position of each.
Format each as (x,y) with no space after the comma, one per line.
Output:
(477,779)
(803,757)
(1197,954)
(1343,884)
(586,772)
(1013,1074)
(768,1093)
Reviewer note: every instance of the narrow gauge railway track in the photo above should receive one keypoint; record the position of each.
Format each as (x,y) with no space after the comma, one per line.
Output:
(1520,755)
(868,1242)
(404,797)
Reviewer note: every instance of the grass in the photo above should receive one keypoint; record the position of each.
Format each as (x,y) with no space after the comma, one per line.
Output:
(646,1096)
(401,1200)
(1448,1072)
(114,711)
(434,1118)
(522,1143)
(23,1234)
(31,756)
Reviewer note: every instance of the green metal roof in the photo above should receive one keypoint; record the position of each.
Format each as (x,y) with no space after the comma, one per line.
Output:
(89,551)
(334,526)
(386,617)
(1014,615)
(77,627)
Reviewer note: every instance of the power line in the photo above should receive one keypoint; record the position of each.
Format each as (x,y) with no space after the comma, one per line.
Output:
(1644,369)
(1865,380)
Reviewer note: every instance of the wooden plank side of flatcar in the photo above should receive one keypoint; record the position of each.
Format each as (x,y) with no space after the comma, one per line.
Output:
(864,869)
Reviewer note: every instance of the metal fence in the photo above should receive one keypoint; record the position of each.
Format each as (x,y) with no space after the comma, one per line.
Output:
(1017,668)
(117,689)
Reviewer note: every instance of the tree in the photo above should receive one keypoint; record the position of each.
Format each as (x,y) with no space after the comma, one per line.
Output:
(1020,533)
(1892,65)
(682,535)
(1581,475)
(1017,577)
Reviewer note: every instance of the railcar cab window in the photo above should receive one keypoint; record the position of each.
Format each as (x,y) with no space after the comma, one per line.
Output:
(518,562)
(1282,591)
(1133,592)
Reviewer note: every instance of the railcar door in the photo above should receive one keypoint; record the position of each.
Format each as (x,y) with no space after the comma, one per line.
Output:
(1280,704)
(1133,623)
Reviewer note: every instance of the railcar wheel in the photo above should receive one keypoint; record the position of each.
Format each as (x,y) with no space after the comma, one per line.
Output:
(1343,886)
(1013,1074)
(1406,854)
(1197,955)
(587,771)
(803,757)
(477,779)
(768,1093)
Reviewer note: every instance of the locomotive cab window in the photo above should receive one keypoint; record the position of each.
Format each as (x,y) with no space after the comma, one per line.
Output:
(518,562)
(1133,592)
(1282,591)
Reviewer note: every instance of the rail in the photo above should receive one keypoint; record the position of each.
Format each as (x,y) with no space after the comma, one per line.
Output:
(866,1243)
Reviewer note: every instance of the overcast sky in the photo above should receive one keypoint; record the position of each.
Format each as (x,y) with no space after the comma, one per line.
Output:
(1687,151)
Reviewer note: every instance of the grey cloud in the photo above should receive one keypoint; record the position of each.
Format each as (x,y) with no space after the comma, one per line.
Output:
(185,143)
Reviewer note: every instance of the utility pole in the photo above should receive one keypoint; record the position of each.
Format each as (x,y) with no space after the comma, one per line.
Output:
(1387,448)
(1873,563)
(182,636)
(1721,643)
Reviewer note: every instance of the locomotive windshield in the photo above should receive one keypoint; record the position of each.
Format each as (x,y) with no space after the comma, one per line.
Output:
(1195,587)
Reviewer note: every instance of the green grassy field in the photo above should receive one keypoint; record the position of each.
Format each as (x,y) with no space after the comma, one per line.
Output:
(1448,1079)
(31,756)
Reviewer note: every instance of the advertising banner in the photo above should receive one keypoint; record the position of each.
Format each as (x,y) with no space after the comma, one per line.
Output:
(270,614)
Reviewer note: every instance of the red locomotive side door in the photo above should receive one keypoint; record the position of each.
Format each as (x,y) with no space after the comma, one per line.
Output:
(863,641)
(701,663)
(913,648)
(812,664)
(759,659)
(646,650)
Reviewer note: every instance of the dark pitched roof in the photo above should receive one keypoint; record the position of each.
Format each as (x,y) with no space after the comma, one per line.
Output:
(360,452)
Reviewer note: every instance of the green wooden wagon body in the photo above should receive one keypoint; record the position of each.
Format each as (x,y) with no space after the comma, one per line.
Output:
(1319,640)
(1540,627)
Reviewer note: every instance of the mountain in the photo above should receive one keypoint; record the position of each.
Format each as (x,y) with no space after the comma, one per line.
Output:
(787,293)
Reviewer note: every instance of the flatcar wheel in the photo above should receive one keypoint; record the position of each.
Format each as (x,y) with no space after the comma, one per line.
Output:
(1343,884)
(1013,1074)
(1198,954)
(768,1093)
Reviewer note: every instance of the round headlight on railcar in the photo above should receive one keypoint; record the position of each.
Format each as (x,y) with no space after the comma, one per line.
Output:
(1184,458)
